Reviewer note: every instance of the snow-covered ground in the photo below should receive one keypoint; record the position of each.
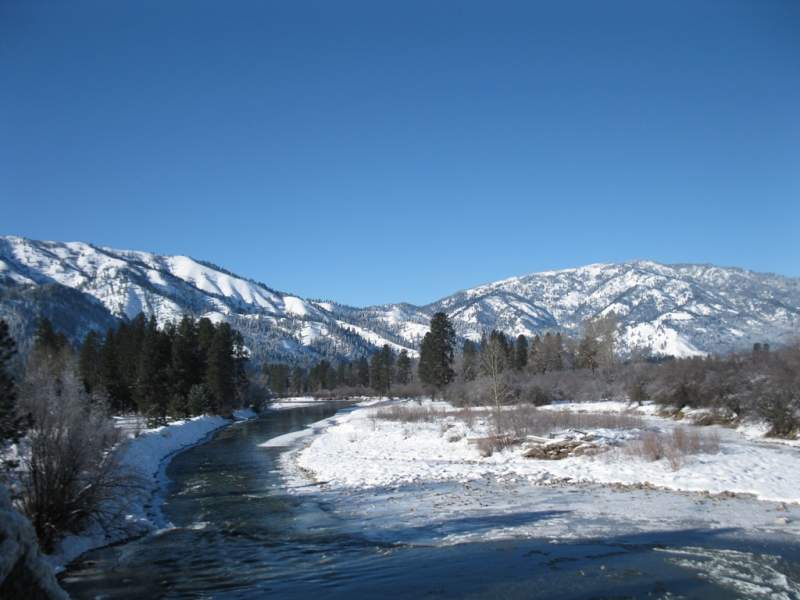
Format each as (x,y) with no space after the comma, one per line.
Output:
(296,402)
(301,401)
(147,453)
(425,484)
(358,450)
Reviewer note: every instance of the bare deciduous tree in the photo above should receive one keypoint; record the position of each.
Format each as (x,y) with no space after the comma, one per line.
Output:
(493,359)
(70,475)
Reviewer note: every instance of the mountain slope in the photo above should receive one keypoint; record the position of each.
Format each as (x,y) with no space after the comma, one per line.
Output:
(679,310)
(670,309)
(124,283)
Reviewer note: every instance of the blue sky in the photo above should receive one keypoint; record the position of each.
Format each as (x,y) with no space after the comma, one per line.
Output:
(372,152)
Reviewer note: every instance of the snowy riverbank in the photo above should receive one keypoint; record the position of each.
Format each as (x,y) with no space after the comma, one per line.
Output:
(147,453)
(302,401)
(358,450)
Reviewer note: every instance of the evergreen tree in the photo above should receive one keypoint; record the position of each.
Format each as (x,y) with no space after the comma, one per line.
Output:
(277,378)
(47,340)
(152,384)
(199,399)
(205,335)
(363,372)
(185,363)
(240,360)
(114,368)
(521,353)
(129,340)
(221,370)
(12,425)
(381,370)
(403,375)
(89,362)
(342,374)
(436,353)
(469,361)
(320,376)
(298,381)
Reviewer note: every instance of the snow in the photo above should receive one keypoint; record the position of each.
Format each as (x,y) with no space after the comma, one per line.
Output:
(312,331)
(217,282)
(20,556)
(295,306)
(295,402)
(659,338)
(375,339)
(357,450)
(146,453)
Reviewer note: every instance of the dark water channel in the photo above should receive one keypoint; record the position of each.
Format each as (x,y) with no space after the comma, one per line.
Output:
(238,534)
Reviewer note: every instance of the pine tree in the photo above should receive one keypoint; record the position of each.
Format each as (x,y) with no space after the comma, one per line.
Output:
(89,362)
(205,335)
(298,381)
(403,375)
(129,340)
(363,372)
(221,370)
(199,399)
(47,340)
(469,361)
(342,375)
(381,370)
(152,384)
(12,425)
(436,353)
(278,379)
(185,363)
(521,353)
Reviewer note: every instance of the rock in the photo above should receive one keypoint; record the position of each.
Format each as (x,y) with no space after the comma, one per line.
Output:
(24,573)
(571,443)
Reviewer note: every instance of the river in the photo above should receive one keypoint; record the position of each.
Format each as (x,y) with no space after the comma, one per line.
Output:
(239,533)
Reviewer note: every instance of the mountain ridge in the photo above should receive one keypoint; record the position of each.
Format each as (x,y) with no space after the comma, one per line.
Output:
(681,309)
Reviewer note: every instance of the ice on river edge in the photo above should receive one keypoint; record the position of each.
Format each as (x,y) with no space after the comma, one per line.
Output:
(147,452)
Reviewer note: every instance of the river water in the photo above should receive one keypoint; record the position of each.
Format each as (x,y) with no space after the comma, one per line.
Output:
(239,533)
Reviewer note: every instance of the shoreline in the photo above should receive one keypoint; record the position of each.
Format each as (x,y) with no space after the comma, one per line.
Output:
(150,453)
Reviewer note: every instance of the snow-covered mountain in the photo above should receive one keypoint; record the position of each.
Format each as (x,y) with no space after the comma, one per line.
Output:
(116,284)
(670,309)
(678,310)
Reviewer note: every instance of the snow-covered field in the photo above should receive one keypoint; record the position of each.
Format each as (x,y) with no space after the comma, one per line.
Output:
(147,453)
(358,450)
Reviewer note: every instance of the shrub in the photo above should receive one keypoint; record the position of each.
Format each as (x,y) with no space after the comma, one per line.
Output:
(410,414)
(70,474)
(674,446)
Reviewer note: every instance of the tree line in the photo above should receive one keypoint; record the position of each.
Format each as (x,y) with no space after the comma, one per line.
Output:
(376,374)
(183,369)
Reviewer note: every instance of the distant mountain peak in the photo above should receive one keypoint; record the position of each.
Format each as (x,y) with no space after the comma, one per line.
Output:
(678,309)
